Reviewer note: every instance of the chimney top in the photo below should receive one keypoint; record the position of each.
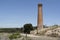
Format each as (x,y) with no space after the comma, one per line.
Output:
(40,4)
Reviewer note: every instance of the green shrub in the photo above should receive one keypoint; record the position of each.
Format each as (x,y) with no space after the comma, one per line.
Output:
(14,36)
(53,27)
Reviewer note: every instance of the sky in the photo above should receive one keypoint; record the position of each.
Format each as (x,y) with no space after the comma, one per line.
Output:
(16,13)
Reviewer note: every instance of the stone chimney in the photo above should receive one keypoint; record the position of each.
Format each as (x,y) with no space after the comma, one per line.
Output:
(40,17)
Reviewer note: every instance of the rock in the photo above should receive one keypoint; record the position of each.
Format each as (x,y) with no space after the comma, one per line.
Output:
(33,32)
(48,32)
(54,32)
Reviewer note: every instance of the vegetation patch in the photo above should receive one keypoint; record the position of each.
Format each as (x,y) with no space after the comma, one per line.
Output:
(15,35)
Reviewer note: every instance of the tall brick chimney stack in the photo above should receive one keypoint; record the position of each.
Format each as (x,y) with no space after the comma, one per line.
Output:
(40,17)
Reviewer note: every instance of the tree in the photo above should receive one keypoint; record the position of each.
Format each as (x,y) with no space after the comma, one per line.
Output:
(34,27)
(28,28)
(55,25)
